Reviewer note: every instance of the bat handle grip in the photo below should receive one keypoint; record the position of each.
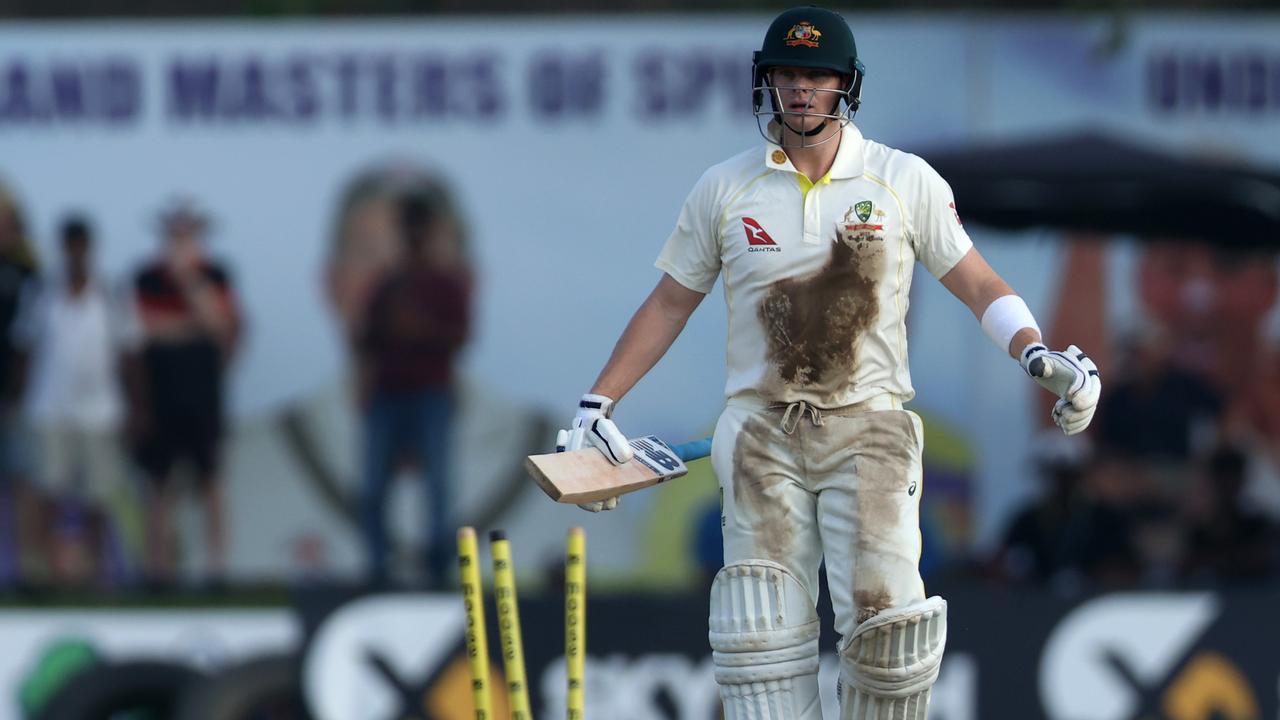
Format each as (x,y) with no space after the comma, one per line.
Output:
(693,450)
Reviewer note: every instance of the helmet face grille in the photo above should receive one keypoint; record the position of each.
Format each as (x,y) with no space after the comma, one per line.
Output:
(767,118)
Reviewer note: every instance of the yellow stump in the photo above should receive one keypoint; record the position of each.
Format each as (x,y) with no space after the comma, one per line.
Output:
(504,590)
(575,622)
(477,637)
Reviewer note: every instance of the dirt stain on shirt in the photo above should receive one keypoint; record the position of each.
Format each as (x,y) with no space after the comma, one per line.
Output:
(814,323)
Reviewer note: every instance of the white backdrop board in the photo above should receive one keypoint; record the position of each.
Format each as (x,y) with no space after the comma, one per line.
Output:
(571,143)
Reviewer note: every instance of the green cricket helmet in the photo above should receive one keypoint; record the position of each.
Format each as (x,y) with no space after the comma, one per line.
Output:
(808,37)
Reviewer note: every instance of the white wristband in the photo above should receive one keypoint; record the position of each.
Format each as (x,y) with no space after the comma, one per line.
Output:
(1004,317)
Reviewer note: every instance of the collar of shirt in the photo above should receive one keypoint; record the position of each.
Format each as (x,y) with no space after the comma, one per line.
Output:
(848,162)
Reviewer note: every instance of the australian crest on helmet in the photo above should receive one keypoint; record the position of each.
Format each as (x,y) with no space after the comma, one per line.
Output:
(804,33)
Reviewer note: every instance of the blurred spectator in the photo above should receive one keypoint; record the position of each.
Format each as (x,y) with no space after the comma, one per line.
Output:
(1156,409)
(1200,371)
(415,323)
(1117,493)
(17,271)
(79,342)
(367,241)
(1227,543)
(1098,523)
(191,324)
(1045,539)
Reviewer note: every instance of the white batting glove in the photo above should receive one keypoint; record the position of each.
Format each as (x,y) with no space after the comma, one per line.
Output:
(593,425)
(1070,375)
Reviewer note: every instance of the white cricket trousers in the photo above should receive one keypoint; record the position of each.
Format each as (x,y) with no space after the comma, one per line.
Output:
(800,483)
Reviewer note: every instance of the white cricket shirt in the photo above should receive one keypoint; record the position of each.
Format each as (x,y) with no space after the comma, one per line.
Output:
(816,281)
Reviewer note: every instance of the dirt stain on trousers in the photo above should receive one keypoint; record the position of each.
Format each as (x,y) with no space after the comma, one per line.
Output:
(847,490)
(758,486)
(885,466)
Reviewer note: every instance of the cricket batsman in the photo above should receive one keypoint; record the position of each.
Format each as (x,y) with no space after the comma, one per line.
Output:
(816,234)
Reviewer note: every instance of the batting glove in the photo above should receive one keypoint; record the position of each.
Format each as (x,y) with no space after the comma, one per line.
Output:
(592,425)
(1070,375)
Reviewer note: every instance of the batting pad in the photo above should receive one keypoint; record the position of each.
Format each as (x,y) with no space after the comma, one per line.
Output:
(889,664)
(764,641)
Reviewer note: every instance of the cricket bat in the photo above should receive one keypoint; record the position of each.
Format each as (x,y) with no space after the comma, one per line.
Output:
(586,475)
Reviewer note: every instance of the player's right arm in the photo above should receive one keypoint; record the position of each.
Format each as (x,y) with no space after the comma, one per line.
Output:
(690,261)
(648,336)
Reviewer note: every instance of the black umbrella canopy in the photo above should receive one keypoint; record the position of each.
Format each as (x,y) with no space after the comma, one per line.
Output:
(1097,183)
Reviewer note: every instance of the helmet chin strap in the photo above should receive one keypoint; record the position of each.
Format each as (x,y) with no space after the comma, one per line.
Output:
(809,133)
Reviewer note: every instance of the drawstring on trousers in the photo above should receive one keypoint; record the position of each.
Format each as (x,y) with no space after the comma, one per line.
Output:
(815,415)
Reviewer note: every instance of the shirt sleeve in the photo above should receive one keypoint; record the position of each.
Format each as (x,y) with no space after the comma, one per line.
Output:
(940,240)
(692,252)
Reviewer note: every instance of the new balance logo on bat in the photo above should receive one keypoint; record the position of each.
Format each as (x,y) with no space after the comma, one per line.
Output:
(655,455)
(757,239)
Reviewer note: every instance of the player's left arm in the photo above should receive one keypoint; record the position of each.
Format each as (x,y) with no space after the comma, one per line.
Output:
(1069,374)
(977,285)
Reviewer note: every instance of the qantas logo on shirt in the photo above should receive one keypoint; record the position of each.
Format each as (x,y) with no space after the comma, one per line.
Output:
(757,239)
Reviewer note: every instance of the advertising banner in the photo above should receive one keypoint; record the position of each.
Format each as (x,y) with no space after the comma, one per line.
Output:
(1127,656)
(43,648)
